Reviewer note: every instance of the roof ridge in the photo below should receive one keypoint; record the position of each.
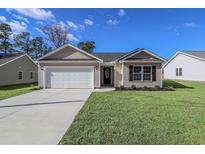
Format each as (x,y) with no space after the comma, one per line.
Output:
(108,52)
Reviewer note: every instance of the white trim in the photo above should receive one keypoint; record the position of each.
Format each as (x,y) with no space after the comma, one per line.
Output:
(107,64)
(12,60)
(142,67)
(161,82)
(132,61)
(183,53)
(21,75)
(46,67)
(99,69)
(139,51)
(60,61)
(32,60)
(122,74)
(69,45)
(115,74)
(18,58)
(44,78)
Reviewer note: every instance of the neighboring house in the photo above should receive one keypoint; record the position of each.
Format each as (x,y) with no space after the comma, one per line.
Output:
(186,65)
(71,67)
(17,69)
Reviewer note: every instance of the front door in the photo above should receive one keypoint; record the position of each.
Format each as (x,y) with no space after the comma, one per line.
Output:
(107,75)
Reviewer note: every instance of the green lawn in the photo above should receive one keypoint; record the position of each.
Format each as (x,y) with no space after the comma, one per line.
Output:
(10,91)
(142,117)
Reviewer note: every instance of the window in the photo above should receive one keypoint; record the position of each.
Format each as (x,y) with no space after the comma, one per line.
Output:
(178,71)
(142,73)
(31,75)
(147,73)
(137,74)
(20,75)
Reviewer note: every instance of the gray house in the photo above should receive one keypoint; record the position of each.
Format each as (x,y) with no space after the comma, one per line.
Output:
(17,69)
(71,67)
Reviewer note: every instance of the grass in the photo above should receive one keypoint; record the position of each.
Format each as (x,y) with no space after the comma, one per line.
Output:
(142,117)
(15,90)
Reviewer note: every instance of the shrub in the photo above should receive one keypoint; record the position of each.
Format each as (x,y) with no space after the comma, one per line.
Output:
(133,87)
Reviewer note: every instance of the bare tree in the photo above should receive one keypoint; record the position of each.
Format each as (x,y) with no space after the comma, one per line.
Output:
(56,33)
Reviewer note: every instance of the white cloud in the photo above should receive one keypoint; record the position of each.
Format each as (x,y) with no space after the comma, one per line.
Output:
(75,26)
(121,12)
(72,25)
(20,18)
(3,19)
(189,24)
(39,30)
(71,37)
(88,22)
(35,13)
(17,26)
(113,22)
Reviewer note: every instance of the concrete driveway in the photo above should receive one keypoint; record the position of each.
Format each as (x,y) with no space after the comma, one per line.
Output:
(40,117)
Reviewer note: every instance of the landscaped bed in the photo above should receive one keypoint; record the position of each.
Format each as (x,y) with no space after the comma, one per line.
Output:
(142,117)
(10,91)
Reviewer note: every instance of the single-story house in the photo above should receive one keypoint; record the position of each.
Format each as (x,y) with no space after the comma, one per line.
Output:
(71,67)
(17,69)
(186,65)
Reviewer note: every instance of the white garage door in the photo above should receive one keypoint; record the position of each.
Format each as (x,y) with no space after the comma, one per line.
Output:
(70,77)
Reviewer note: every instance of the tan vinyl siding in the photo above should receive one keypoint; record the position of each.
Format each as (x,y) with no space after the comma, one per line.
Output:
(96,71)
(153,84)
(118,74)
(9,72)
(143,55)
(68,53)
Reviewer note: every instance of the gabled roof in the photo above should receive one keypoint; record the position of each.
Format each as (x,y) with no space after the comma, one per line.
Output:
(109,57)
(200,55)
(69,45)
(139,50)
(106,57)
(13,57)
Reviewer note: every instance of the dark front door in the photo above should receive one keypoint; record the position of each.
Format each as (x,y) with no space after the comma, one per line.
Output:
(107,75)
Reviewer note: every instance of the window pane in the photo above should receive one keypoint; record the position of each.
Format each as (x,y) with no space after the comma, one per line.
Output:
(31,75)
(147,69)
(177,73)
(147,73)
(137,69)
(137,76)
(147,77)
(20,76)
(180,71)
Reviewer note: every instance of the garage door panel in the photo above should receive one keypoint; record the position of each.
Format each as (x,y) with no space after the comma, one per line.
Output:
(69,77)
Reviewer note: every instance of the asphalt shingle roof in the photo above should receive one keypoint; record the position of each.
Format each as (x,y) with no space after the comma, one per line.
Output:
(109,57)
(199,54)
(9,58)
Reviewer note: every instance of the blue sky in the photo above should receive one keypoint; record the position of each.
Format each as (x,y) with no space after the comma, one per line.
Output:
(163,31)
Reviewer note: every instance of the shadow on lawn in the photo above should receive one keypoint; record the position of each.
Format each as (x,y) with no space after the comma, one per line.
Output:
(175,84)
(19,86)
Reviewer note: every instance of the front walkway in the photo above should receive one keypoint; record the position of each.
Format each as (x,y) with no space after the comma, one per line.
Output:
(40,117)
(104,89)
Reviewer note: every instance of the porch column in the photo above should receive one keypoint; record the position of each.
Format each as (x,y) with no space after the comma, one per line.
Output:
(122,73)
(99,69)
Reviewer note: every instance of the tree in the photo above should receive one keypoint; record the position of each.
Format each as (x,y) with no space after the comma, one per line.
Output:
(5,32)
(87,46)
(38,47)
(57,34)
(23,41)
